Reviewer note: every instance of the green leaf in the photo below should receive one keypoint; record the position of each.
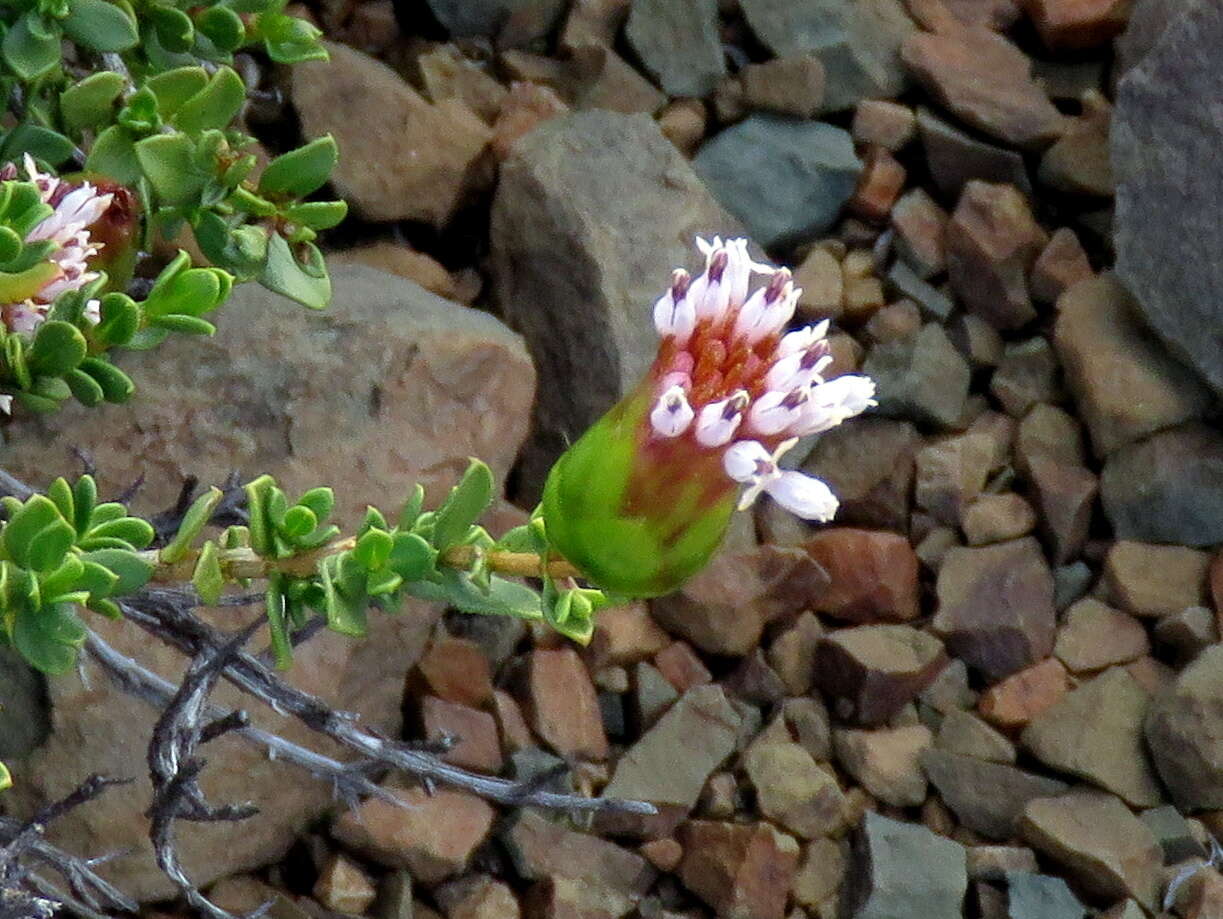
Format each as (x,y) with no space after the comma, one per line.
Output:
(41,143)
(208,579)
(132,571)
(308,284)
(49,545)
(120,320)
(91,102)
(214,106)
(174,87)
(58,347)
(343,614)
(299,172)
(411,557)
(186,325)
(85,389)
(193,524)
(132,530)
(48,638)
(113,155)
(464,505)
(502,598)
(107,608)
(410,511)
(257,493)
(289,40)
(100,25)
(10,244)
(64,578)
(223,27)
(282,648)
(85,498)
(175,30)
(38,513)
(61,496)
(169,163)
(116,385)
(321,501)
(31,51)
(381,583)
(317,215)
(99,580)
(299,522)
(373,549)
(188,293)
(6,779)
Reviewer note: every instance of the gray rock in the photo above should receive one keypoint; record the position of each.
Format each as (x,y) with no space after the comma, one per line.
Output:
(967,735)
(25,714)
(402,386)
(1173,833)
(1039,896)
(577,263)
(923,378)
(785,179)
(934,304)
(1168,488)
(678,42)
(955,157)
(903,869)
(1148,20)
(988,798)
(858,42)
(1184,730)
(1095,732)
(1170,187)
(465,18)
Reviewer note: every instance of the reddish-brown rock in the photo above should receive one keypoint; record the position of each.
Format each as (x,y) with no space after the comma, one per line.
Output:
(1074,24)
(873,575)
(986,81)
(1065,496)
(561,705)
(526,106)
(880,121)
(870,672)
(515,735)
(879,184)
(457,670)
(626,634)
(681,667)
(1022,696)
(743,871)
(478,746)
(1060,265)
(920,225)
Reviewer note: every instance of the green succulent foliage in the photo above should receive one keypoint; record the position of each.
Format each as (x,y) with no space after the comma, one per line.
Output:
(6,780)
(60,551)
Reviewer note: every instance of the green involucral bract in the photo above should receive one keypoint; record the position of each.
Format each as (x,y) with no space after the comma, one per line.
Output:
(636,515)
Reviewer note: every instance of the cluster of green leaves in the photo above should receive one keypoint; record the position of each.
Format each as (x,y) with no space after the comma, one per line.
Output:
(59,551)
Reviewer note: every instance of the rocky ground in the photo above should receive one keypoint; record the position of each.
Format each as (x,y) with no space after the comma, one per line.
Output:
(993,689)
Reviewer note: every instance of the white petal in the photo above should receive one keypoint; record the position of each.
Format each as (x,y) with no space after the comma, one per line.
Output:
(746,460)
(718,421)
(672,318)
(802,339)
(6,404)
(93,311)
(671,414)
(803,495)
(775,411)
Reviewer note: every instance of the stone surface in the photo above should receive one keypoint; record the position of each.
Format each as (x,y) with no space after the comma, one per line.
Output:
(869,467)
(1065,499)
(886,762)
(988,798)
(427,383)
(950,474)
(605,80)
(477,896)
(993,863)
(525,107)
(791,85)
(820,874)
(1095,732)
(992,240)
(343,887)
(457,670)
(1078,163)
(920,225)
(965,734)
(404,158)
(1026,375)
(25,714)
(786,180)
(1125,383)
(478,746)
(1184,731)
(793,791)
(1075,24)
(1093,636)
(858,43)
(561,706)
(870,672)
(873,575)
(1048,431)
(1108,850)
(490,17)
(792,653)
(703,725)
(1182,636)
(924,378)
(987,82)
(394,258)
(560,212)
(995,606)
(879,184)
(433,836)
(1039,896)
(678,43)
(743,871)
(683,122)
(1159,158)
(1152,580)
(1019,698)
(955,157)
(901,869)
(997,518)
(1060,265)
(445,73)
(626,634)
(1175,835)
(1168,488)
(819,275)
(888,124)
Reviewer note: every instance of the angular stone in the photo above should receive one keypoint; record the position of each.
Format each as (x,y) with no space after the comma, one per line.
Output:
(25,713)
(1065,497)
(888,124)
(743,871)
(652,694)
(785,179)
(992,863)
(879,185)
(898,320)
(678,43)
(1078,163)
(606,80)
(791,790)
(1026,375)
(950,690)
(920,225)
(561,194)
(1126,385)
(900,869)
(405,262)
(457,670)
(1168,488)
(1186,634)
(886,762)
(1024,695)
(871,672)
(997,518)
(807,719)
(561,705)
(702,724)
(1075,24)
(718,610)
(951,472)
(998,15)
(1174,834)
(626,634)
(992,240)
(678,663)
(404,159)
(432,835)
(1152,580)
(515,735)
(923,379)
(1049,432)
(792,85)
(987,82)
(820,278)
(874,575)
(1060,265)
(995,606)
(478,746)
(489,18)
(820,874)
(857,41)
(955,157)
(755,682)
(343,887)
(1093,636)
(1095,732)
(593,22)
(445,73)
(988,798)
(1159,157)
(525,107)
(965,734)
(477,896)
(683,122)
(792,653)
(869,467)
(1108,850)
(1039,896)
(1184,731)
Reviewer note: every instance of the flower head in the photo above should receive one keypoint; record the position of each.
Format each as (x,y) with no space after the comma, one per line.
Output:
(66,267)
(642,500)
